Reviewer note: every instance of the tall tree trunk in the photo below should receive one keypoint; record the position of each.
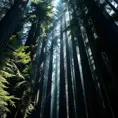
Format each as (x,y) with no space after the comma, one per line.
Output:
(107,30)
(31,34)
(9,23)
(90,92)
(107,40)
(39,71)
(68,70)
(96,54)
(80,105)
(34,33)
(90,36)
(62,108)
(39,80)
(48,92)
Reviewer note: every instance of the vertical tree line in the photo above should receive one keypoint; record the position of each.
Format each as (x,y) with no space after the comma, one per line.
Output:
(61,64)
(22,21)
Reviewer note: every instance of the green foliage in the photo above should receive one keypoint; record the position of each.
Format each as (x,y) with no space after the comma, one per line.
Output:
(9,69)
(28,68)
(29,110)
(5,98)
(36,1)
(26,86)
(43,12)
(21,56)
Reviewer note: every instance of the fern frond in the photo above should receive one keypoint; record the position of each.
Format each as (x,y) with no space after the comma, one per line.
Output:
(6,74)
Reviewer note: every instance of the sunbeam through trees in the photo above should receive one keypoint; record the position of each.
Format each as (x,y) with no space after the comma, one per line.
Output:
(58,58)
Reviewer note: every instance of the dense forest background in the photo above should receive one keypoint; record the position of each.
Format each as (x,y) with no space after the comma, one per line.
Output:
(58,59)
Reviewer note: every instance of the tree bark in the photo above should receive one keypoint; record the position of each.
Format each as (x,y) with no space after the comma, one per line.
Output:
(9,23)
(62,104)
(48,92)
